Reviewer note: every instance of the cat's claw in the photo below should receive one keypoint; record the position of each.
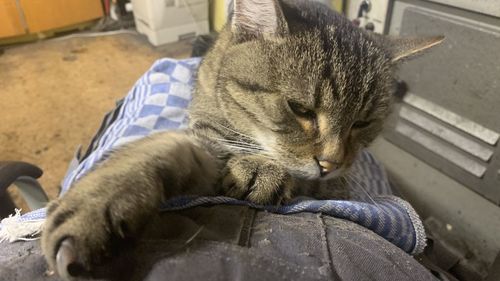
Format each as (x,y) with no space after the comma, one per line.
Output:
(67,262)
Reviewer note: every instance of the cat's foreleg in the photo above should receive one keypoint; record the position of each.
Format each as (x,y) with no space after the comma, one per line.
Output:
(114,202)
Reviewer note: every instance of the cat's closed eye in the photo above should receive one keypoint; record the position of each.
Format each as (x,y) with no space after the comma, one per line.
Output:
(360,124)
(301,111)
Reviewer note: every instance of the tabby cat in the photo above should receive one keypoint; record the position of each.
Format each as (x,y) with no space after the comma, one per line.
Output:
(285,99)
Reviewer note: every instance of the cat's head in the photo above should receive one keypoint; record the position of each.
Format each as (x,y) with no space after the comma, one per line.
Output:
(307,85)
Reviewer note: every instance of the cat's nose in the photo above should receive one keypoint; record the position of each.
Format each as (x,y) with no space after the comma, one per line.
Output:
(327,166)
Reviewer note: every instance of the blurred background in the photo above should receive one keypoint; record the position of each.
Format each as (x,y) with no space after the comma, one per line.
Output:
(64,63)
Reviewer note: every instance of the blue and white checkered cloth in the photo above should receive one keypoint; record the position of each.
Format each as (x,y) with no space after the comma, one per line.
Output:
(159,102)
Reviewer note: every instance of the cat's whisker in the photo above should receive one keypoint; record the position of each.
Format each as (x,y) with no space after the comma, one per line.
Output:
(255,151)
(239,143)
(362,187)
(264,151)
(234,131)
(246,149)
(243,145)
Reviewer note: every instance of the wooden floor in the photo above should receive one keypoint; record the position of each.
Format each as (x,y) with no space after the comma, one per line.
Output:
(54,93)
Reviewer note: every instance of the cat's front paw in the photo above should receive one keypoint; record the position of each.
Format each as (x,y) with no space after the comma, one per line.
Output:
(89,225)
(257,179)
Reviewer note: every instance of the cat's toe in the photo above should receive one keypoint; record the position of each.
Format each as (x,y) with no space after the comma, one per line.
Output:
(273,185)
(69,242)
(256,180)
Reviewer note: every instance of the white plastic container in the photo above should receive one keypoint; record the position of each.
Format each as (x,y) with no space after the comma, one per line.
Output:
(166,21)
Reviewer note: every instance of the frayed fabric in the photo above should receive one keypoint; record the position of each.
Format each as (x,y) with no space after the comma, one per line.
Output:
(14,228)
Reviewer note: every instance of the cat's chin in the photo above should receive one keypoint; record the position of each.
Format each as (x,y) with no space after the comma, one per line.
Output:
(307,172)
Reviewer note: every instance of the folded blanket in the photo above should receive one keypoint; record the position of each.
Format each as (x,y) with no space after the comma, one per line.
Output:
(159,101)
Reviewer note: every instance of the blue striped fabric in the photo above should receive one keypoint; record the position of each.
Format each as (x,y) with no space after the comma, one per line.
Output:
(158,102)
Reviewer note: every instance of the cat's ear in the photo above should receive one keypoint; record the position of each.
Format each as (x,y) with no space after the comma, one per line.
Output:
(403,48)
(258,18)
